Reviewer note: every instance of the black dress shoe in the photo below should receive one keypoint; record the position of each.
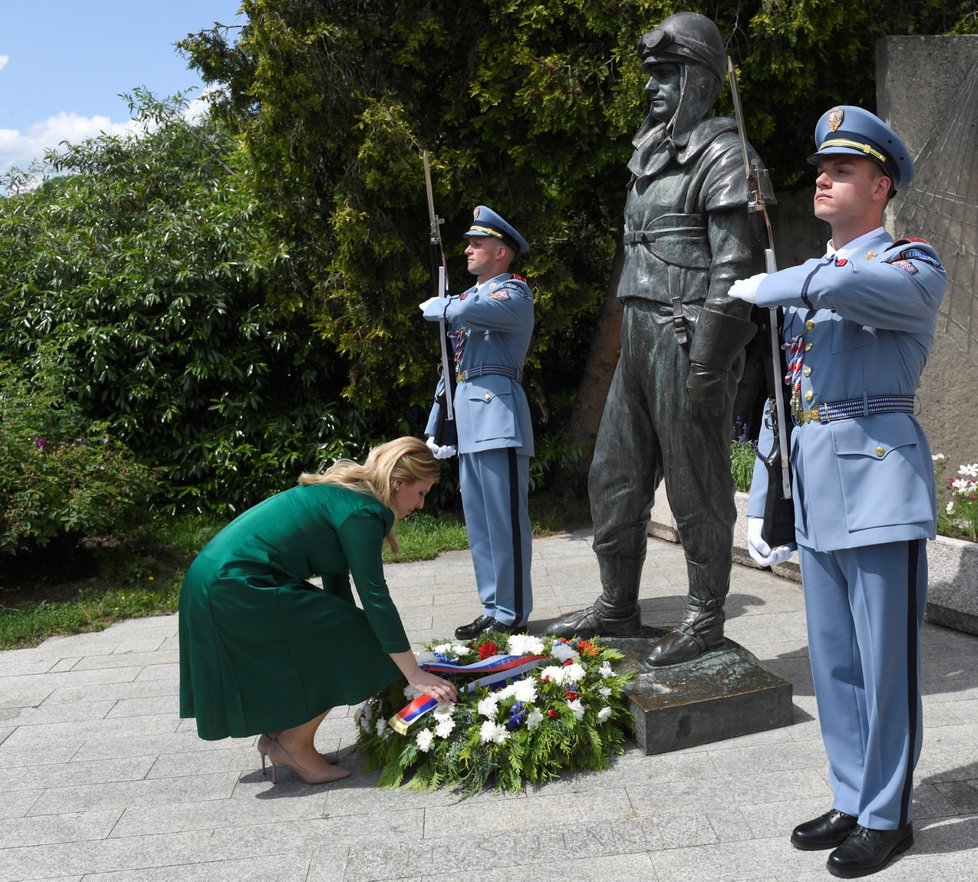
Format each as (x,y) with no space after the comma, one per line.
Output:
(825,831)
(500,628)
(867,851)
(474,629)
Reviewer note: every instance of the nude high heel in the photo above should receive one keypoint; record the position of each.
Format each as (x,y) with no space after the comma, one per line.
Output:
(280,756)
(263,742)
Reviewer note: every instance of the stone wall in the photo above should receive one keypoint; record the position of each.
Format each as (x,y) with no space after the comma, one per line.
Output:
(927,89)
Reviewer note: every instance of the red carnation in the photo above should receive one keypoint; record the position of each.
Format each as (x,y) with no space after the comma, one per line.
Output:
(552,714)
(568,662)
(487,649)
(571,695)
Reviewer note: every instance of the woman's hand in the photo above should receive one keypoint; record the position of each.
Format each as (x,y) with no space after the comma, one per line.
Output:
(430,684)
(420,679)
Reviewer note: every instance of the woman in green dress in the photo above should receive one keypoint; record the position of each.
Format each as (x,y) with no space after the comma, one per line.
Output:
(263,650)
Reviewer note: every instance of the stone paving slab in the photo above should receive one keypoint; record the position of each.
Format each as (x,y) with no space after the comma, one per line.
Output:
(104,783)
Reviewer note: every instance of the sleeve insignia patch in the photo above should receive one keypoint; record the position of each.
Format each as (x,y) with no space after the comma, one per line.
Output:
(870,255)
(905,265)
(501,294)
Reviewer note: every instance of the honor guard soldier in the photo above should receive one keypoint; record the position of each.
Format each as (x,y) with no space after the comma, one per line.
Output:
(859,323)
(491,325)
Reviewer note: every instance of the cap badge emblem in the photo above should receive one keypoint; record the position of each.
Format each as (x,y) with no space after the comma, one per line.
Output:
(475,213)
(836,115)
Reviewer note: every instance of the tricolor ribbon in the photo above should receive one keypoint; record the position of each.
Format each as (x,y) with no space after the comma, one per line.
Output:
(497,670)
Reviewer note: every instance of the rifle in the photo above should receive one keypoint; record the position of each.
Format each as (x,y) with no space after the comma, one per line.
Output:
(779,510)
(446,432)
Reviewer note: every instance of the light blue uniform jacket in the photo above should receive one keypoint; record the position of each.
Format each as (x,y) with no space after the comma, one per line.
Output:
(491,325)
(871,319)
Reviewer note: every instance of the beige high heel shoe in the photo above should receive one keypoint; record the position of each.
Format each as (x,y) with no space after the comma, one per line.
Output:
(263,742)
(278,755)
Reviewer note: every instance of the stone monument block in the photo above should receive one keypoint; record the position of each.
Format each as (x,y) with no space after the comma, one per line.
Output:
(721,694)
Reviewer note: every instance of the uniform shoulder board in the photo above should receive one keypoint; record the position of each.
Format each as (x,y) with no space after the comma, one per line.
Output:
(909,249)
(906,240)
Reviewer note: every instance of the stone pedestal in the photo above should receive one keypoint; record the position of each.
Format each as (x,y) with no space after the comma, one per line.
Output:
(722,694)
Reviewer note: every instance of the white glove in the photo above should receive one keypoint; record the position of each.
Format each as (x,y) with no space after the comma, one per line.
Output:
(760,550)
(428,302)
(439,451)
(746,289)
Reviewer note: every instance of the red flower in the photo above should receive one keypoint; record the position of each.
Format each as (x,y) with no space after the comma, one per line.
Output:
(571,695)
(588,648)
(487,649)
(552,714)
(568,662)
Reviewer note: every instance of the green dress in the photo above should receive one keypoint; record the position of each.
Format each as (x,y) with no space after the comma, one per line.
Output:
(261,648)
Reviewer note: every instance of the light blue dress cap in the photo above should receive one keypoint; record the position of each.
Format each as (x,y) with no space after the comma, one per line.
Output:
(486,222)
(852,130)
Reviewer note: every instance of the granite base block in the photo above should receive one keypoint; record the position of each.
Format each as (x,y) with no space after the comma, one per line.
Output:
(722,694)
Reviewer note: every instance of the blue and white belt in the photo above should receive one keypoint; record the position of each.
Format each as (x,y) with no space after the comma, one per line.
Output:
(482,370)
(868,405)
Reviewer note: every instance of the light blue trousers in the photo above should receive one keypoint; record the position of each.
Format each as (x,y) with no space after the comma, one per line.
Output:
(495,485)
(864,608)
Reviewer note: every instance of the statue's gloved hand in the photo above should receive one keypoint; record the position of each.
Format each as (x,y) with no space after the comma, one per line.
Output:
(746,289)
(440,451)
(760,551)
(706,390)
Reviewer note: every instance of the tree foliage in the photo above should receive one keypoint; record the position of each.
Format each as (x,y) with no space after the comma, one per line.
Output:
(134,287)
(525,105)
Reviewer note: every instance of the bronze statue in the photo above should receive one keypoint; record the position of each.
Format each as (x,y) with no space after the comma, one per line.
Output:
(669,411)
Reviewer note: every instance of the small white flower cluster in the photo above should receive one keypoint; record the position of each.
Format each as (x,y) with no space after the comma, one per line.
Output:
(563,675)
(524,644)
(492,732)
(451,650)
(564,651)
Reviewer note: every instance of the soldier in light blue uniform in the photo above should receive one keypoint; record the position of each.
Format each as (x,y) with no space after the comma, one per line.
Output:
(859,324)
(491,325)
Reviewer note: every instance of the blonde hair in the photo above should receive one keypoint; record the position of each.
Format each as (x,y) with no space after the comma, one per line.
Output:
(403,460)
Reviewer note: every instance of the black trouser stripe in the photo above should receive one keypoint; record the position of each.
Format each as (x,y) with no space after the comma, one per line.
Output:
(514,514)
(913,722)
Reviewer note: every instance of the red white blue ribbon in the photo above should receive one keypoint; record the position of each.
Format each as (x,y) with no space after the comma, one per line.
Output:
(497,670)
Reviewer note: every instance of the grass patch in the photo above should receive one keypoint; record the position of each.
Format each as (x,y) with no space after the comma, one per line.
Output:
(61,591)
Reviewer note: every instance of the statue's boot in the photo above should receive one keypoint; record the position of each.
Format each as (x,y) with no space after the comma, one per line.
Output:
(615,613)
(700,630)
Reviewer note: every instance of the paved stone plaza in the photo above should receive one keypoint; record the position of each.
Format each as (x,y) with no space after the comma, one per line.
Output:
(102,782)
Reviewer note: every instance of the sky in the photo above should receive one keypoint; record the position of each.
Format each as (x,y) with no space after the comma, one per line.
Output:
(64,63)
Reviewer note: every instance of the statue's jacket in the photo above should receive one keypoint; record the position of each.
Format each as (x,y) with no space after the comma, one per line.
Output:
(686,227)
(491,327)
(857,327)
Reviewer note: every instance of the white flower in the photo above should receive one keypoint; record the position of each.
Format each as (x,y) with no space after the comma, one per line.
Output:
(604,691)
(939,457)
(445,709)
(424,739)
(970,470)
(452,650)
(381,725)
(524,644)
(564,651)
(576,708)
(410,693)
(553,673)
(444,727)
(950,507)
(533,719)
(525,690)
(964,487)
(490,732)
(606,671)
(425,658)
(573,673)
(603,714)
(488,706)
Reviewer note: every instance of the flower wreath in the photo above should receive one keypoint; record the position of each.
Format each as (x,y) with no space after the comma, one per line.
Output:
(563,708)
